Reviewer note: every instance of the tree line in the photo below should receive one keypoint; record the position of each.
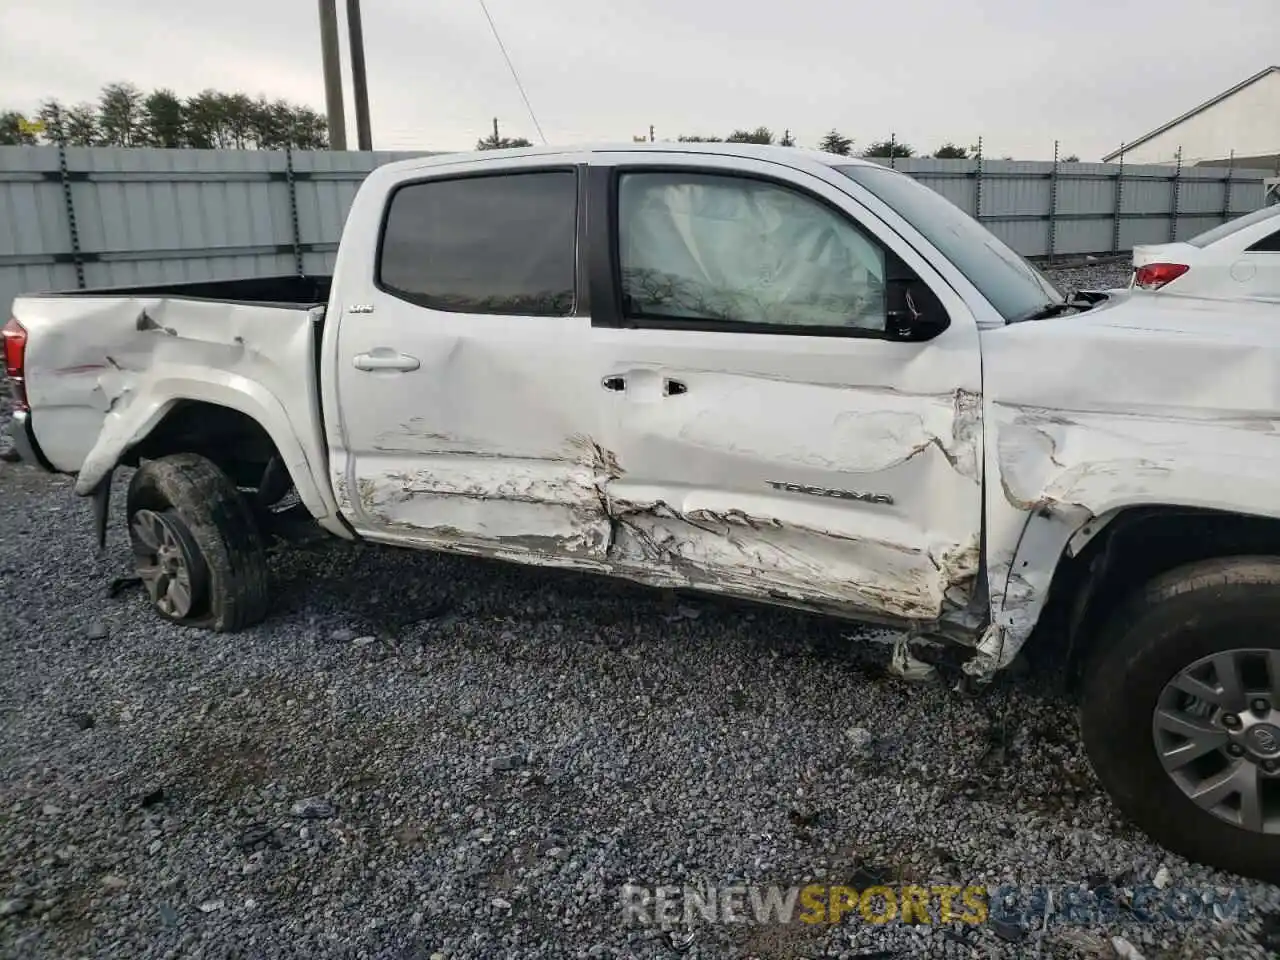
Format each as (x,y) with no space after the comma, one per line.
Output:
(124,116)
(836,142)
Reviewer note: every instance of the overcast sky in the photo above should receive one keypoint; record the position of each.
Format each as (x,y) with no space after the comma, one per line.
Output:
(1089,73)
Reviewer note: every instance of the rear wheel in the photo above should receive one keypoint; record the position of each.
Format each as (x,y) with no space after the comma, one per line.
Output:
(1180,713)
(196,545)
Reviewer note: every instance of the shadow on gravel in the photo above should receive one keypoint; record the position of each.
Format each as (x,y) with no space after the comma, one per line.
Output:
(1024,723)
(389,590)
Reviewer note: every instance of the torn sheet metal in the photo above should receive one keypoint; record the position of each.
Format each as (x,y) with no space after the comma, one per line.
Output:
(102,372)
(907,667)
(1127,405)
(878,508)
(757,555)
(539,506)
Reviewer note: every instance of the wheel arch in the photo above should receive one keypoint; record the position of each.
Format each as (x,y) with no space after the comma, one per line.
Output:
(208,413)
(1110,556)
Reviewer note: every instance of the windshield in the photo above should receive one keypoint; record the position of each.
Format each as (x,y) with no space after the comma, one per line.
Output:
(1012,285)
(1231,226)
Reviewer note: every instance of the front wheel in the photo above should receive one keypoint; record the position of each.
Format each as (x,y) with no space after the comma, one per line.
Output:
(196,545)
(1180,713)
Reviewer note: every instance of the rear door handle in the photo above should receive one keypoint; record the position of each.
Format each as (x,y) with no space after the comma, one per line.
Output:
(616,384)
(385,359)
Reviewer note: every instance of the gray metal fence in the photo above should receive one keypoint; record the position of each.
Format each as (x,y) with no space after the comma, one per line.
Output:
(1049,209)
(89,217)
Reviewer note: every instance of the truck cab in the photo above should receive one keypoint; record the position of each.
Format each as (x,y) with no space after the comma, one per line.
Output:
(684,368)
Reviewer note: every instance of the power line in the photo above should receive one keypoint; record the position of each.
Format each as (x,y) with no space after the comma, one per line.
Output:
(515,76)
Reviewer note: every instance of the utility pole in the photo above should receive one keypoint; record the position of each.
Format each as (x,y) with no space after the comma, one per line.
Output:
(651,133)
(332,75)
(359,80)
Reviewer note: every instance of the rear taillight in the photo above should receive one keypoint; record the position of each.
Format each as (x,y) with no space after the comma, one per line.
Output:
(1153,276)
(15,357)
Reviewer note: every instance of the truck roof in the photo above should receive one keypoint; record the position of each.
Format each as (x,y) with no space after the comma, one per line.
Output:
(784,155)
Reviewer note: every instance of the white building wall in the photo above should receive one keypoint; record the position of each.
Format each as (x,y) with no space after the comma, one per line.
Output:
(1247,122)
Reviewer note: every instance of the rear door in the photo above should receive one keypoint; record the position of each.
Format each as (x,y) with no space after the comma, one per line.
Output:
(773,438)
(467,411)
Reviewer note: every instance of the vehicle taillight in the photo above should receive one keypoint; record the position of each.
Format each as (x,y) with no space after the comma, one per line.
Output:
(1153,276)
(15,356)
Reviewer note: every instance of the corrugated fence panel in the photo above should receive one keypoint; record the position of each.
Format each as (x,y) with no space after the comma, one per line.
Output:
(159,216)
(33,224)
(327,186)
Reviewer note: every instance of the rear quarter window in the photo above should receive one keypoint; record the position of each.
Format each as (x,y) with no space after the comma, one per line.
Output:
(1268,244)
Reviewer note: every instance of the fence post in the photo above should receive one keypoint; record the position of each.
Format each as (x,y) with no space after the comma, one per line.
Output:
(1177,199)
(977,185)
(293,209)
(1115,227)
(1226,188)
(1053,204)
(893,150)
(69,201)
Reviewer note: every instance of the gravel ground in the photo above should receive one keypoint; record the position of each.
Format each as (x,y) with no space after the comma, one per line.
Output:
(1102,275)
(420,755)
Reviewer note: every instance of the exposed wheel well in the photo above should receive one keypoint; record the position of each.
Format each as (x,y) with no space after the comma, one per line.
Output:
(239,446)
(1137,545)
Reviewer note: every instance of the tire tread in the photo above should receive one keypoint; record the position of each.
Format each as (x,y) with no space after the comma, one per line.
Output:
(224,528)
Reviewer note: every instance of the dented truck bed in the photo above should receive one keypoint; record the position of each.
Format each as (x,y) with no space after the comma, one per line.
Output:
(104,367)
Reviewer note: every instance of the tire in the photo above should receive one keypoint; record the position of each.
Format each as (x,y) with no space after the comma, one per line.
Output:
(185,501)
(1196,611)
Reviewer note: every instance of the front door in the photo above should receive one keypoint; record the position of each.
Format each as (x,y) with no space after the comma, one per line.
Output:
(774,440)
(468,413)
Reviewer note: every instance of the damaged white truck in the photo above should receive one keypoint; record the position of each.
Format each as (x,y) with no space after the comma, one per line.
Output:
(767,373)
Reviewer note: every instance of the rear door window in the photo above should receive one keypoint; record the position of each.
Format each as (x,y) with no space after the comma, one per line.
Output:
(498,244)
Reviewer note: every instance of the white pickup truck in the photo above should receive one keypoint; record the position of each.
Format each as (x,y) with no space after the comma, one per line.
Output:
(764,372)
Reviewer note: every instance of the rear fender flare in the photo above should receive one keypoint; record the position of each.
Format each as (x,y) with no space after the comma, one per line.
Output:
(125,427)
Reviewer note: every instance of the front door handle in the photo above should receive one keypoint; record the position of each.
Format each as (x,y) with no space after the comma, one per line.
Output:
(385,359)
(616,384)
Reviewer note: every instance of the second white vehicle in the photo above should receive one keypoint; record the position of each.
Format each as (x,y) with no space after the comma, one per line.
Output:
(1238,260)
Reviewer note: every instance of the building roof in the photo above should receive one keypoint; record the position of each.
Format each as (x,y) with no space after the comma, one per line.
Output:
(1270,161)
(1191,113)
